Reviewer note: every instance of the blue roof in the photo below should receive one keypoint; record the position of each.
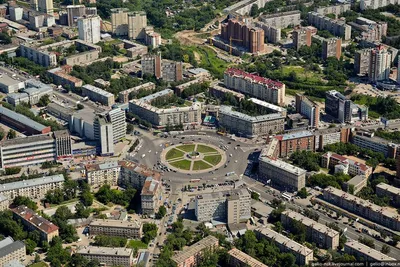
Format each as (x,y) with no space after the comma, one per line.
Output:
(21,119)
(296,135)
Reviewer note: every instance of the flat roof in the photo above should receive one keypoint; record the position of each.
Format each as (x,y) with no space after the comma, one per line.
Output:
(228,110)
(245,258)
(8,80)
(294,135)
(357,179)
(267,105)
(27,139)
(284,241)
(205,243)
(364,249)
(389,188)
(321,228)
(254,78)
(102,166)
(150,186)
(97,90)
(22,119)
(92,250)
(32,182)
(223,195)
(59,108)
(116,223)
(149,98)
(283,165)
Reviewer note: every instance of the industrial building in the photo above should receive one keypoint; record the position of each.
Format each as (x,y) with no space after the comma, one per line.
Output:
(107,256)
(191,256)
(127,229)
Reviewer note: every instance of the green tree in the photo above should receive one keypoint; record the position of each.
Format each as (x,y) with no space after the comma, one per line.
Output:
(11,134)
(161,212)
(44,101)
(79,106)
(25,201)
(63,213)
(81,211)
(129,128)
(149,232)
(255,195)
(87,198)
(385,249)
(302,193)
(30,246)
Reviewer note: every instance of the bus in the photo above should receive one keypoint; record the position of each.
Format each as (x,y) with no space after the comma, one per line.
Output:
(195,180)
(155,132)
(287,196)
(221,133)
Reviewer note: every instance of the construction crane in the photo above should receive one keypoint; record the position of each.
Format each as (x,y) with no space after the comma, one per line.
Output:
(230,44)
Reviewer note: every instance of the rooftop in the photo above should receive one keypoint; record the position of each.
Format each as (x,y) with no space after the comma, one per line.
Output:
(254,78)
(368,251)
(92,250)
(59,108)
(138,168)
(35,219)
(283,165)
(285,241)
(194,249)
(25,140)
(243,257)
(222,195)
(228,110)
(321,228)
(267,105)
(22,119)
(389,188)
(116,223)
(345,160)
(8,81)
(150,186)
(296,135)
(149,98)
(356,179)
(97,90)
(31,183)
(8,246)
(102,166)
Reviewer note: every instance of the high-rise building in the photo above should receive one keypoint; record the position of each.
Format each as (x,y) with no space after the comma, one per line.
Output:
(398,69)
(45,6)
(303,36)
(74,12)
(63,144)
(119,21)
(103,132)
(342,109)
(308,108)
(137,22)
(117,118)
(89,29)
(362,61)
(332,47)
(337,27)
(166,69)
(379,68)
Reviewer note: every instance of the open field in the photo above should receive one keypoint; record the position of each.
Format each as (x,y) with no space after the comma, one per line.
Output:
(213,160)
(186,148)
(182,164)
(174,153)
(200,165)
(205,149)
(136,244)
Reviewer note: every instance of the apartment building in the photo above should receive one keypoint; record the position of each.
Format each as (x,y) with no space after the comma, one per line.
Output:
(243,34)
(309,109)
(225,206)
(375,4)
(101,174)
(332,47)
(108,256)
(298,141)
(159,117)
(34,222)
(11,251)
(242,124)
(135,175)
(98,95)
(336,27)
(150,195)
(192,255)
(367,140)
(362,60)
(369,30)
(355,184)
(137,22)
(103,132)
(343,109)
(347,166)
(45,6)
(271,34)
(33,188)
(281,174)
(385,190)
(363,208)
(238,258)
(328,136)
(317,233)
(61,77)
(124,95)
(74,12)
(89,28)
(221,92)
(335,9)
(117,117)
(361,251)
(41,57)
(4,202)
(168,70)
(119,21)
(255,86)
(380,62)
(303,254)
(303,36)
(128,229)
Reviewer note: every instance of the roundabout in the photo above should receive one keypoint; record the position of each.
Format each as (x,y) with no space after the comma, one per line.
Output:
(193,157)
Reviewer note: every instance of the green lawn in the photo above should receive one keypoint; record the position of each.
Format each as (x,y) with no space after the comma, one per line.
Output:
(39,264)
(182,164)
(136,244)
(214,160)
(205,149)
(174,153)
(187,148)
(200,165)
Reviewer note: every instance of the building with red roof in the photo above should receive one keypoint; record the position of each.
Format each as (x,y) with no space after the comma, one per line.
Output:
(343,164)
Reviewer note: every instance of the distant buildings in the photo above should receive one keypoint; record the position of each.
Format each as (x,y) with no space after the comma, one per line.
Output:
(345,165)
(380,61)
(363,208)
(303,254)
(335,9)
(192,255)
(255,86)
(11,250)
(317,233)
(279,173)
(303,36)
(89,29)
(74,12)
(385,190)
(243,34)
(45,6)
(375,4)
(238,258)
(98,95)
(336,27)
(343,109)
(331,47)
(34,222)
(309,109)
(361,251)
(107,256)
(167,70)
(127,229)
(226,206)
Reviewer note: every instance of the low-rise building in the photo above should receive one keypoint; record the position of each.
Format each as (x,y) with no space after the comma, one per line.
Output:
(150,195)
(98,95)
(31,93)
(227,206)
(298,141)
(128,229)
(192,255)
(221,92)
(61,77)
(316,232)
(34,222)
(101,174)
(367,140)
(347,166)
(385,190)
(4,202)
(281,174)
(124,95)
(108,256)
(355,184)
(12,251)
(363,208)
(135,175)
(361,251)
(10,84)
(238,258)
(303,254)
